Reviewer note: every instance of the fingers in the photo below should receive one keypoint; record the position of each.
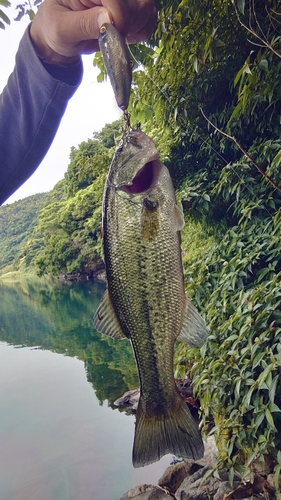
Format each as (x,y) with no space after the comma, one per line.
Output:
(145,29)
(68,32)
(138,17)
(123,12)
(84,25)
(71,27)
(135,19)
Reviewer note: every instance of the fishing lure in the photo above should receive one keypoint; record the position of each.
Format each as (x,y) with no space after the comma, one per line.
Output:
(117,63)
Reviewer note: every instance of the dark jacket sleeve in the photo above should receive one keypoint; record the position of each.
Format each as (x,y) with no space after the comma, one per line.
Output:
(31,107)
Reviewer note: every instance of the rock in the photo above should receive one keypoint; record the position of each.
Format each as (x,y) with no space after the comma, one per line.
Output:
(129,399)
(146,492)
(175,474)
(263,467)
(223,489)
(192,487)
(259,488)
(210,453)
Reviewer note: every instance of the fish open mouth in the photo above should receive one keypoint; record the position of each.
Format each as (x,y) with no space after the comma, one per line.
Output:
(144,180)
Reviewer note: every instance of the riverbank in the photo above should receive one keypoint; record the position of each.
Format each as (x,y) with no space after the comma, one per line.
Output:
(201,480)
(196,480)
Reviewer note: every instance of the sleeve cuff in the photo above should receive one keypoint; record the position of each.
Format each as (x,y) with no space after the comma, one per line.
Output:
(71,75)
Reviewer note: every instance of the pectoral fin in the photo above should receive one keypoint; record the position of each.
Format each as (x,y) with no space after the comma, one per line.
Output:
(194,331)
(105,319)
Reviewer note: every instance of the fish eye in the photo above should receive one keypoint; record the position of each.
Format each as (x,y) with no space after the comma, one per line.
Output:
(102,29)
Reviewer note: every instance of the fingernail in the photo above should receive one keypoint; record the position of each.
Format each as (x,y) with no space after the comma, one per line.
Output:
(103,18)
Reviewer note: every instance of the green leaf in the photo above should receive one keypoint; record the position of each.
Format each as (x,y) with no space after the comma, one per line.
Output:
(256,361)
(195,64)
(272,388)
(5,3)
(247,399)
(4,17)
(259,419)
(237,388)
(273,408)
(263,376)
(231,476)
(269,418)
(241,6)
(276,478)
(263,65)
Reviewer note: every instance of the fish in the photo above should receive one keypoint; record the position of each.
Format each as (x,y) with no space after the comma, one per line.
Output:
(117,63)
(145,300)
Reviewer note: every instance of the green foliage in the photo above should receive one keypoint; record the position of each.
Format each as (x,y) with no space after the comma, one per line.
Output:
(24,9)
(238,381)
(3,17)
(91,158)
(27,9)
(60,231)
(17,223)
(72,226)
(71,231)
(205,57)
(257,80)
(221,57)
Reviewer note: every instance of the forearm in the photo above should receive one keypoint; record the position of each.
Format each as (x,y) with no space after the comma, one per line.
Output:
(31,107)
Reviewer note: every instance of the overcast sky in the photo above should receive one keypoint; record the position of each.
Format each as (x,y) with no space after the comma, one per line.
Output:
(91,107)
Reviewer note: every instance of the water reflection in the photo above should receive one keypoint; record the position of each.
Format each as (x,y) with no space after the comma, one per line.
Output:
(58,316)
(59,438)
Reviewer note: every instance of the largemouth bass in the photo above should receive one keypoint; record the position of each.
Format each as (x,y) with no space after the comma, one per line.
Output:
(117,63)
(145,299)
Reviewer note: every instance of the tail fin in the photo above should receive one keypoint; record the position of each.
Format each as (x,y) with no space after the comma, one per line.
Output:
(173,432)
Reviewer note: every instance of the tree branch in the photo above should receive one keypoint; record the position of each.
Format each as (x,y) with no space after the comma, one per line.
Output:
(243,151)
(250,30)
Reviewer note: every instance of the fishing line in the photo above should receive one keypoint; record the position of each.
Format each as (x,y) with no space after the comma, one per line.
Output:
(182,123)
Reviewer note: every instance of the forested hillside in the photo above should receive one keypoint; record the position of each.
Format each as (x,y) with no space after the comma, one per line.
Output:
(17,222)
(208,92)
(59,232)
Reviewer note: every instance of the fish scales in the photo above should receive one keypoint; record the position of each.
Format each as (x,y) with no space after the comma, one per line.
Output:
(151,282)
(146,296)
(145,305)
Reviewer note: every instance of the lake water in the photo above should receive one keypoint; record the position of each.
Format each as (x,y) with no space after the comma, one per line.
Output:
(61,437)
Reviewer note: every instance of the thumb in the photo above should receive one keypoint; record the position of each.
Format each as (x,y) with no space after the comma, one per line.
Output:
(85,25)
(76,32)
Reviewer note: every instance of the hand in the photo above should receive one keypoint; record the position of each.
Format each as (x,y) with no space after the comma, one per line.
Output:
(64,29)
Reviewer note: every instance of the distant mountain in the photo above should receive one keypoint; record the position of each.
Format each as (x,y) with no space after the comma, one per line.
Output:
(59,232)
(17,223)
